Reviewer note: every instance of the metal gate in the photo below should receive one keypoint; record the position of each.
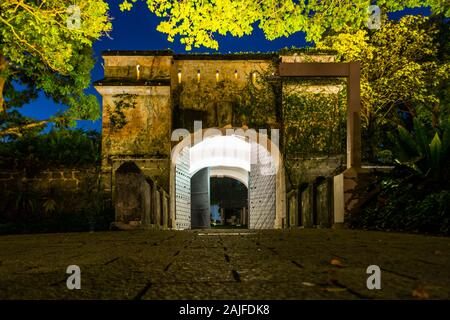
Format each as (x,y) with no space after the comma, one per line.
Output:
(183,191)
(262,187)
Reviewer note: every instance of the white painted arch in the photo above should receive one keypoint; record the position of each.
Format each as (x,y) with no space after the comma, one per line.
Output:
(230,172)
(228,155)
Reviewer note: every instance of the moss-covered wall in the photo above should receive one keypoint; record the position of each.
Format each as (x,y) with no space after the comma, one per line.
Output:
(147,130)
(168,91)
(216,89)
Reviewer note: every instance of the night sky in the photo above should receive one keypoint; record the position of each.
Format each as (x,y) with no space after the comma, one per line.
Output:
(136,30)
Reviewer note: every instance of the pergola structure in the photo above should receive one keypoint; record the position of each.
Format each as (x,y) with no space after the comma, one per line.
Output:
(351,71)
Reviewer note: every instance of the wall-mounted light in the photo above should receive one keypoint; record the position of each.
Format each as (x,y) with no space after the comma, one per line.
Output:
(138,72)
(253,77)
(179,75)
(198,75)
(235,74)
(217,75)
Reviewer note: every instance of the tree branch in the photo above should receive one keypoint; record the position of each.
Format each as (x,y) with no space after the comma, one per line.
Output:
(17,131)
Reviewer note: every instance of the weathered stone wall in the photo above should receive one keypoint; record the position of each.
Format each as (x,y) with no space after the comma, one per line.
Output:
(133,195)
(139,201)
(312,204)
(306,170)
(171,91)
(86,192)
(213,88)
(72,190)
(150,66)
(148,125)
(48,180)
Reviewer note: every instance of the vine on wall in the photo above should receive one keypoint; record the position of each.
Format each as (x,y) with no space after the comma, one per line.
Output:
(122,102)
(227,103)
(314,120)
(310,113)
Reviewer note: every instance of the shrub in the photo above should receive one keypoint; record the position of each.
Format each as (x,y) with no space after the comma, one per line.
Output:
(406,203)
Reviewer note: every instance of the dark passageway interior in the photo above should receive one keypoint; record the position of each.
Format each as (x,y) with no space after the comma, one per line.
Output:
(229,203)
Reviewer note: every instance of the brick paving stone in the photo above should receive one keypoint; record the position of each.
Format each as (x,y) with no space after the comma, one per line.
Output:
(224,264)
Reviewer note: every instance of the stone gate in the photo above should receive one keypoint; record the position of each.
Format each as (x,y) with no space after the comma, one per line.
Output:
(148,94)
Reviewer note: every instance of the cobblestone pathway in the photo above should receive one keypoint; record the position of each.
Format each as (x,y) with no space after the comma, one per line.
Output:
(225,264)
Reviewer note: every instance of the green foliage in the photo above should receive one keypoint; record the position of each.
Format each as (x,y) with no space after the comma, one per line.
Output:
(31,211)
(404,71)
(117,117)
(406,203)
(314,122)
(59,147)
(197,21)
(254,105)
(422,149)
(40,50)
(251,104)
(35,33)
(49,206)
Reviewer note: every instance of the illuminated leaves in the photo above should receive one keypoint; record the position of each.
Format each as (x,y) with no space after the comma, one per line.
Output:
(399,64)
(46,50)
(314,122)
(196,21)
(125,6)
(33,33)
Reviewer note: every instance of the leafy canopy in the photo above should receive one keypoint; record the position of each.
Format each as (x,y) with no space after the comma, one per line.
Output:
(40,50)
(37,31)
(196,21)
(404,73)
(400,64)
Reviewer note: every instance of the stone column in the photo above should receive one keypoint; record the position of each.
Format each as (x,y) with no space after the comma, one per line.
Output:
(307,206)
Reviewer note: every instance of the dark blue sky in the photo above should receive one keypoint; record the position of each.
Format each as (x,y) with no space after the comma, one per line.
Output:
(136,30)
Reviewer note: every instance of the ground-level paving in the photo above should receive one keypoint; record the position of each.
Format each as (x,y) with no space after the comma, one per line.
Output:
(225,264)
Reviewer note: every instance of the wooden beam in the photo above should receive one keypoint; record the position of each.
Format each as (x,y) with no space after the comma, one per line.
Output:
(314,69)
(353,116)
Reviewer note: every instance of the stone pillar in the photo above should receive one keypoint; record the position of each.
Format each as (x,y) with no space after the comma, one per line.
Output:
(157,207)
(200,206)
(165,222)
(307,198)
(338,199)
(324,203)
(344,194)
(132,196)
(293,209)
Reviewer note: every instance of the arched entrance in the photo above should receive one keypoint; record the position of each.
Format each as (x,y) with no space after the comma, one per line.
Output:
(229,202)
(247,156)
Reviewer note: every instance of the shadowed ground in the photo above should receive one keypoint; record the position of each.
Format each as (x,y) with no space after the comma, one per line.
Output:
(225,264)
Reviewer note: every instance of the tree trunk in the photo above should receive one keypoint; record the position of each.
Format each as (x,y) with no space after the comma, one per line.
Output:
(435,116)
(3,66)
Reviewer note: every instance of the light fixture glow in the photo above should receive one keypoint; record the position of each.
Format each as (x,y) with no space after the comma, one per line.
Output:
(198,75)
(179,75)
(138,72)
(254,77)
(217,75)
(235,74)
